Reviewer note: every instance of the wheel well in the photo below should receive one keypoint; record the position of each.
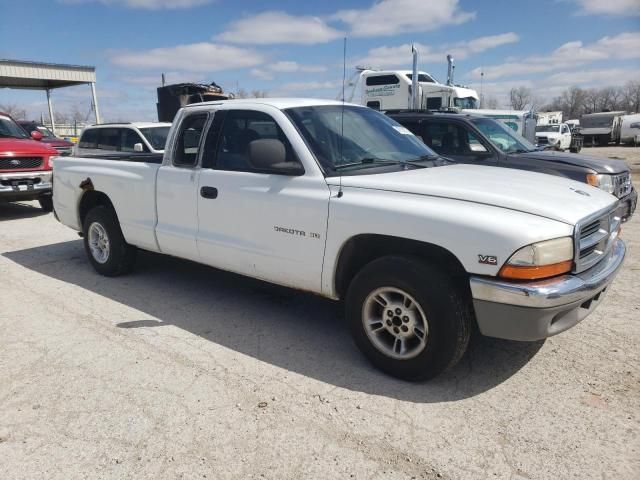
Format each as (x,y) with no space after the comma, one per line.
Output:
(93,199)
(362,249)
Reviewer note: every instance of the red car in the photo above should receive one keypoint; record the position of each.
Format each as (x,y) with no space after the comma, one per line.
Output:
(25,165)
(63,146)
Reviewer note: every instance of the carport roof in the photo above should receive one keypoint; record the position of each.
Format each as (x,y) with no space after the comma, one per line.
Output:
(42,76)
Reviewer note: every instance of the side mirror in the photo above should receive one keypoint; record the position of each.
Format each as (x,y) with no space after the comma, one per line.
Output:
(138,147)
(477,147)
(270,154)
(36,135)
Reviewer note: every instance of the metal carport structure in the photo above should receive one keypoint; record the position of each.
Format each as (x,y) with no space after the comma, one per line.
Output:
(47,76)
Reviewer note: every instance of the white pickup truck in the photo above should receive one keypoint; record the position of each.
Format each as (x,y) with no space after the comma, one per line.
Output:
(556,135)
(342,201)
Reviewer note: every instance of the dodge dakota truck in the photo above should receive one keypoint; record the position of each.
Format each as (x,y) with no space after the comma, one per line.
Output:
(342,201)
(25,165)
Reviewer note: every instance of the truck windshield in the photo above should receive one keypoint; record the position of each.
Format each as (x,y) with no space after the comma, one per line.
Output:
(156,136)
(503,137)
(548,128)
(9,128)
(356,138)
(466,102)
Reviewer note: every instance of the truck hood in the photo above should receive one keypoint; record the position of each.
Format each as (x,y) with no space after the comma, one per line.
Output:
(22,146)
(539,194)
(548,134)
(597,164)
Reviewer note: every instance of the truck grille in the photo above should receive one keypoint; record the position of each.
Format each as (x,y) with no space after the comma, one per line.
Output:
(542,140)
(20,163)
(594,238)
(622,184)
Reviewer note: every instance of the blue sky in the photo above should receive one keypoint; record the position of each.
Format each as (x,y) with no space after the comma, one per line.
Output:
(294,48)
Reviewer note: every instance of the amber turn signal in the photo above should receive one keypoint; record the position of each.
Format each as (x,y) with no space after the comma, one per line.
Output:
(535,272)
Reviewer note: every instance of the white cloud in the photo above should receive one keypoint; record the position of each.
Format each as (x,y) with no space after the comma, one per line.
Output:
(144,4)
(309,86)
(279,27)
(261,74)
(393,17)
(386,57)
(610,7)
(594,77)
(571,54)
(289,66)
(285,66)
(195,57)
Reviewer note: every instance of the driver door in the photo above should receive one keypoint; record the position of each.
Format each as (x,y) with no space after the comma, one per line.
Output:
(255,222)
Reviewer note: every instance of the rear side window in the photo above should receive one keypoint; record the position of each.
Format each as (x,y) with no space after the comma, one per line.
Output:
(382,80)
(434,103)
(186,152)
(109,139)
(89,138)
(129,139)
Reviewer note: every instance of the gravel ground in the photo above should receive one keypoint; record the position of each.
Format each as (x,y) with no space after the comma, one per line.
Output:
(183,371)
(625,152)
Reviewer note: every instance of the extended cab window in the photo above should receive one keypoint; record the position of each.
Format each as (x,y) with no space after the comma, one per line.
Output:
(186,152)
(89,138)
(109,139)
(451,139)
(240,129)
(129,139)
(382,80)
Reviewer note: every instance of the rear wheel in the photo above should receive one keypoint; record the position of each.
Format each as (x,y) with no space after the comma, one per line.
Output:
(408,318)
(46,203)
(105,245)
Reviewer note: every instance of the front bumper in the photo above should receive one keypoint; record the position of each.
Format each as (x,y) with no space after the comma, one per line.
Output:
(15,186)
(628,205)
(535,310)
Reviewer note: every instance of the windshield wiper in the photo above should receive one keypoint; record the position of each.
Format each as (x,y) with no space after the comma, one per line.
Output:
(371,161)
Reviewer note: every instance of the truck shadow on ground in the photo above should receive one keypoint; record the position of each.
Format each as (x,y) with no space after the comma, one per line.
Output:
(292,330)
(14,211)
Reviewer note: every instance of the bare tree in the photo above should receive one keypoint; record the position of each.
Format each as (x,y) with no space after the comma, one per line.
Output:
(631,96)
(259,93)
(13,110)
(491,103)
(520,97)
(242,93)
(61,117)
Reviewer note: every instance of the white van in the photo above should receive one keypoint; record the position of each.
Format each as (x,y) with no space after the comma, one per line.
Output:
(107,138)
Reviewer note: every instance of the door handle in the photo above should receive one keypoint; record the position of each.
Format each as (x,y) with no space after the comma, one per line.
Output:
(209,192)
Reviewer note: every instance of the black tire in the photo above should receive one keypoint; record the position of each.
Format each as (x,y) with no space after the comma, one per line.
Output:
(442,299)
(121,256)
(46,203)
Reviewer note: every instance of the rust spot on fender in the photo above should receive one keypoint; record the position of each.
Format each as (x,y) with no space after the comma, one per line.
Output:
(86,185)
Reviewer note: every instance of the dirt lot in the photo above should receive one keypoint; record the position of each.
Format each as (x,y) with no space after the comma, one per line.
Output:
(182,371)
(626,152)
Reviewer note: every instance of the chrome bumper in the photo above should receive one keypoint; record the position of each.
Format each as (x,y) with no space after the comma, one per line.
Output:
(22,184)
(535,310)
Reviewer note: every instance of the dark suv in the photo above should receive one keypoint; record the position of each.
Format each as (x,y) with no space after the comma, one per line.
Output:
(468,138)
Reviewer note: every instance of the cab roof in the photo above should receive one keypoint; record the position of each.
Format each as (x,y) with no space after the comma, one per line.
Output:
(279,103)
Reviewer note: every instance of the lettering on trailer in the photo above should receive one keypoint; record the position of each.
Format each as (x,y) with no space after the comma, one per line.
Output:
(488,259)
(384,91)
(297,233)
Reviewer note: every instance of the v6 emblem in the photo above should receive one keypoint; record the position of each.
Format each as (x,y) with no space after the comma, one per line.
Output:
(488,259)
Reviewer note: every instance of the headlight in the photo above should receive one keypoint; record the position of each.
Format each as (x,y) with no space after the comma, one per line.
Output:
(602,181)
(540,260)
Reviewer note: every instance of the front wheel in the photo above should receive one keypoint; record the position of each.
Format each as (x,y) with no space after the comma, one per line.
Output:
(408,318)
(46,203)
(105,245)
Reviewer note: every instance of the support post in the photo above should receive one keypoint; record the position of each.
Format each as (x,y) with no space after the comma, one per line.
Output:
(53,123)
(95,101)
